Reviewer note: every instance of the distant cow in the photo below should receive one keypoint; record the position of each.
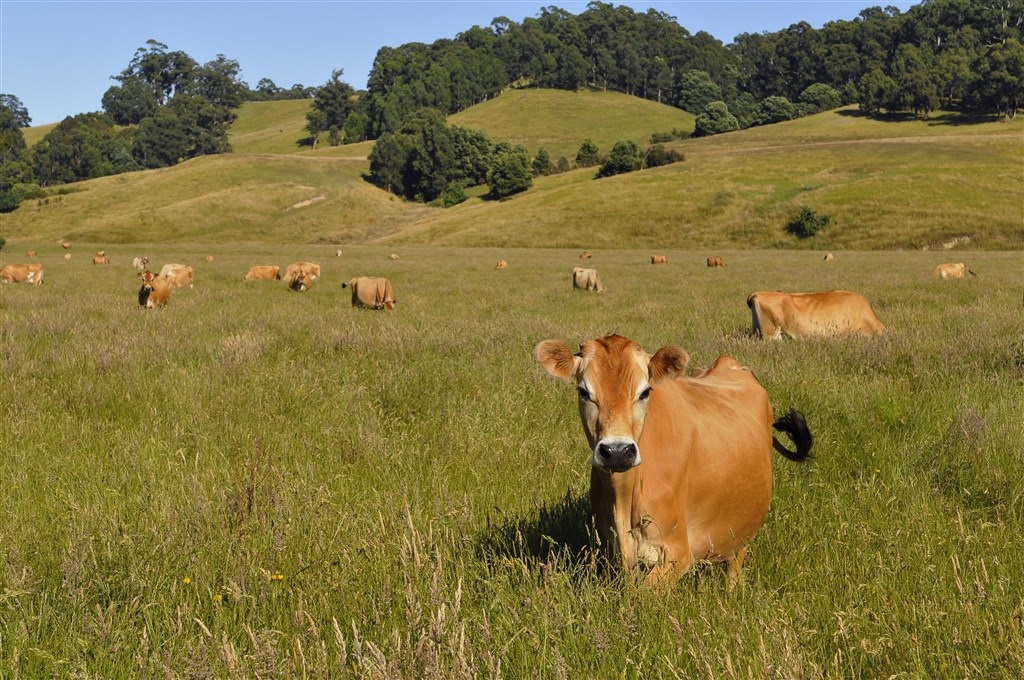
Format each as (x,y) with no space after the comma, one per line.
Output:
(100,258)
(65,245)
(177,275)
(208,258)
(716,261)
(585,255)
(301,281)
(951,270)
(804,315)
(263,272)
(586,279)
(659,259)
(680,464)
(393,256)
(337,253)
(829,257)
(140,262)
(155,290)
(372,292)
(502,264)
(31,253)
(311,269)
(22,273)
(67,256)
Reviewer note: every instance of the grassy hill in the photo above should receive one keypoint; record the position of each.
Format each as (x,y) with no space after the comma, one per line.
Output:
(886,184)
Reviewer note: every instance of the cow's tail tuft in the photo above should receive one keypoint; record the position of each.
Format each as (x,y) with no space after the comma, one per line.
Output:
(971,273)
(795,426)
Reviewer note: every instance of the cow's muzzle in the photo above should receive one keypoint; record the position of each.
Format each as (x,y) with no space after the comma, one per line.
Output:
(616,454)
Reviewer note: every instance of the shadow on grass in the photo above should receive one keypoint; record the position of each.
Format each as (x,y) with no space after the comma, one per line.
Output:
(953,118)
(560,531)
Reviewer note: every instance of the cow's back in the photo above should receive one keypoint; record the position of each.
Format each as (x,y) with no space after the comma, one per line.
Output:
(706,445)
(800,315)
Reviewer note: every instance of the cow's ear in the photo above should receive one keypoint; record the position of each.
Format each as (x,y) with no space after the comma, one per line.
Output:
(556,358)
(667,363)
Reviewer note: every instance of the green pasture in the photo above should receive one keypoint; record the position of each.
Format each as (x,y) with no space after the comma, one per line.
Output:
(253,482)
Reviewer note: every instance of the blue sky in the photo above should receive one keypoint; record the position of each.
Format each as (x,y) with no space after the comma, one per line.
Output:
(57,56)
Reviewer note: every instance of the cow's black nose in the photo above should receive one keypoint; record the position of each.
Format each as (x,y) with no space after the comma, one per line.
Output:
(617,455)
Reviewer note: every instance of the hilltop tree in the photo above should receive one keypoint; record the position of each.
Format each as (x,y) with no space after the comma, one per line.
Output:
(14,105)
(333,103)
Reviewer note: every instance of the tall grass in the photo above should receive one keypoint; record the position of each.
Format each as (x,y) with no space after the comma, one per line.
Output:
(253,482)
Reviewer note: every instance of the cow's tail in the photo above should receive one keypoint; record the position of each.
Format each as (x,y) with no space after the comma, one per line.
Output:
(795,426)
(971,273)
(755,320)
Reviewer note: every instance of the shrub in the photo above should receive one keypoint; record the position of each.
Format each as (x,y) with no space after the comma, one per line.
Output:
(454,195)
(625,157)
(714,120)
(657,155)
(807,223)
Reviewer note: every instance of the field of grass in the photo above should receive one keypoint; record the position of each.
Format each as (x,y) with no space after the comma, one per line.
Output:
(253,482)
(887,184)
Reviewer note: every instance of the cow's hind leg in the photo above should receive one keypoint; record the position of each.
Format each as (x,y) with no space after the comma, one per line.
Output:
(733,567)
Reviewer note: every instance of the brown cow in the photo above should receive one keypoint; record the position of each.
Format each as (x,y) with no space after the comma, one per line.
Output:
(100,258)
(829,257)
(312,269)
(155,291)
(951,270)
(372,292)
(586,279)
(301,281)
(208,258)
(804,315)
(659,259)
(263,272)
(22,273)
(67,256)
(681,465)
(393,256)
(31,253)
(65,245)
(177,275)
(502,264)
(716,261)
(586,255)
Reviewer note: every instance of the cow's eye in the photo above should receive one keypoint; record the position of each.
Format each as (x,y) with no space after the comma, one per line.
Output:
(584,395)
(645,394)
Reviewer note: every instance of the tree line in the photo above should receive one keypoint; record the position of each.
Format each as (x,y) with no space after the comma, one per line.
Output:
(165,107)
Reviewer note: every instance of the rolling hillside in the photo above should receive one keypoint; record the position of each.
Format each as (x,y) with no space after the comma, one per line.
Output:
(886,185)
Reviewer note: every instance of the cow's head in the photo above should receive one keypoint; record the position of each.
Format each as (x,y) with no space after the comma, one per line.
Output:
(301,282)
(614,378)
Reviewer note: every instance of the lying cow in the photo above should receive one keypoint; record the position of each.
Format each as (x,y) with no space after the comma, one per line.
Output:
(586,255)
(301,281)
(951,270)
(716,261)
(804,315)
(659,259)
(263,272)
(140,262)
(502,264)
(22,273)
(291,271)
(177,275)
(100,258)
(829,257)
(680,465)
(586,279)
(155,291)
(372,292)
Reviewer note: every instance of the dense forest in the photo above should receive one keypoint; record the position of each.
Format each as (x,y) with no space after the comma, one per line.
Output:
(954,54)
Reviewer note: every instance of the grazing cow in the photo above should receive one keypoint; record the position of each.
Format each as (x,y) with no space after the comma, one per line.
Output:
(208,258)
(177,275)
(100,258)
(67,256)
(804,315)
(337,253)
(586,279)
(263,272)
(393,256)
(586,255)
(681,465)
(716,261)
(502,264)
(155,291)
(22,273)
(140,262)
(951,270)
(829,257)
(31,253)
(292,270)
(372,292)
(659,259)
(65,245)
(301,281)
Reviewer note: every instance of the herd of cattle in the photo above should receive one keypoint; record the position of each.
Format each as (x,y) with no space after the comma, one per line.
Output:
(681,460)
